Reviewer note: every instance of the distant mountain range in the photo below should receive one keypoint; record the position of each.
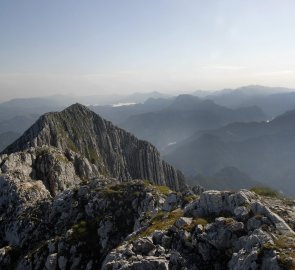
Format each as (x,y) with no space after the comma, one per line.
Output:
(7,138)
(246,129)
(56,101)
(120,114)
(18,123)
(184,116)
(18,114)
(228,178)
(272,100)
(264,151)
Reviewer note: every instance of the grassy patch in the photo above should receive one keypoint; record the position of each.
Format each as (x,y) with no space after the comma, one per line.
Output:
(285,242)
(289,202)
(114,193)
(201,221)
(285,246)
(61,158)
(40,151)
(123,192)
(76,133)
(195,222)
(287,260)
(265,191)
(190,198)
(71,145)
(162,221)
(162,189)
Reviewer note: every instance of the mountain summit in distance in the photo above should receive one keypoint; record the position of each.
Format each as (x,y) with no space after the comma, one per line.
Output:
(115,152)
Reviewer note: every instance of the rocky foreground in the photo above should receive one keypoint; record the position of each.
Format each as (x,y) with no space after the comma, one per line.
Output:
(105,224)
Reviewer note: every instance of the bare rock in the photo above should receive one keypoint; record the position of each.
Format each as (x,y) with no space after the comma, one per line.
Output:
(143,246)
(51,262)
(213,202)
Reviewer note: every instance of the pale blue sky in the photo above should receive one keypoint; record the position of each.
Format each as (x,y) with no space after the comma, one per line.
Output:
(90,47)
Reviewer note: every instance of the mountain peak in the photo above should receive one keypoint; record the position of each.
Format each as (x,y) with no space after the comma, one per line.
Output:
(115,152)
(78,107)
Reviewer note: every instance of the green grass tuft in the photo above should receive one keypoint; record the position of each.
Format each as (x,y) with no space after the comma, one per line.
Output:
(190,198)
(265,191)
(163,189)
(162,221)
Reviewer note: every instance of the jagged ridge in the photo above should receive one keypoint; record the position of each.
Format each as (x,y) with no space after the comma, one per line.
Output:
(114,151)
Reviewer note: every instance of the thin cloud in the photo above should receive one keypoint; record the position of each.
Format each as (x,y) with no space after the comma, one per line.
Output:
(278,72)
(225,67)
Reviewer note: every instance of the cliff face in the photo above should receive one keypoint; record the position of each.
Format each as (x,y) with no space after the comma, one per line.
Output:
(113,151)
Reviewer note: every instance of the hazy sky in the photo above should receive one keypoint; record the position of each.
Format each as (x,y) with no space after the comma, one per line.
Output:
(88,47)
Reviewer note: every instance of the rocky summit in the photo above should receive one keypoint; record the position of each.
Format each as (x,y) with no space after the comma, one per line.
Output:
(108,150)
(77,192)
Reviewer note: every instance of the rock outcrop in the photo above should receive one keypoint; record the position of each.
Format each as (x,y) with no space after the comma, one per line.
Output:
(115,152)
(107,224)
(58,170)
(218,232)
(74,229)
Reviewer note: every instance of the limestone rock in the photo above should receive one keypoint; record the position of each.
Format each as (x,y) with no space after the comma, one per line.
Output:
(279,223)
(143,246)
(223,233)
(183,221)
(51,262)
(171,202)
(50,165)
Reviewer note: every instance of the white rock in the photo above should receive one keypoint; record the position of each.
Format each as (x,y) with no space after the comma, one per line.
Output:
(51,262)
(183,221)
